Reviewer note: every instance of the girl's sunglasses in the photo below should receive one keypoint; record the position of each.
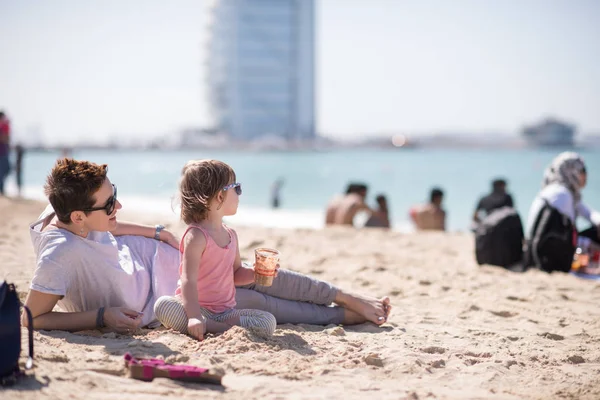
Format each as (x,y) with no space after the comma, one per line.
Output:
(109,207)
(237,186)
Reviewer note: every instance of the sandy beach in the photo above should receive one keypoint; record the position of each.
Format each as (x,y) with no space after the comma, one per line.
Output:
(457,330)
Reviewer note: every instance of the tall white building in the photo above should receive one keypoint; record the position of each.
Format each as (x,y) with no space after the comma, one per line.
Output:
(261,66)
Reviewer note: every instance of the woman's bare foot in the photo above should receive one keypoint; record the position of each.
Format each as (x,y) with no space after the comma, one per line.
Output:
(353,318)
(370,308)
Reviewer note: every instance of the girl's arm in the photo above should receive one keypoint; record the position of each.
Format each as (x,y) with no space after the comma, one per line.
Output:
(130,228)
(198,324)
(194,245)
(241,275)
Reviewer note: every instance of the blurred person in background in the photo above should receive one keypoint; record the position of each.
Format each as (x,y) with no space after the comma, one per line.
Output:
(563,182)
(551,233)
(276,193)
(4,149)
(342,209)
(380,217)
(498,198)
(430,216)
(19,153)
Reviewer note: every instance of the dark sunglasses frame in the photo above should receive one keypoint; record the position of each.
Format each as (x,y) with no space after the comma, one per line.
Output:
(110,205)
(236,185)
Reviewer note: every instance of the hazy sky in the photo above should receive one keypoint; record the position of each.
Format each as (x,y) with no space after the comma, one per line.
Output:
(114,67)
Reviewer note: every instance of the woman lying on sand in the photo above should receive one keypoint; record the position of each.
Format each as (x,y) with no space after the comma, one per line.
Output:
(104,273)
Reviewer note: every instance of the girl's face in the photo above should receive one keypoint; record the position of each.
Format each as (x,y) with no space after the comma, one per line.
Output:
(231,194)
(103,217)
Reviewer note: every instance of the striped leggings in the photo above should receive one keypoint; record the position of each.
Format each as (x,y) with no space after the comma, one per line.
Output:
(170,312)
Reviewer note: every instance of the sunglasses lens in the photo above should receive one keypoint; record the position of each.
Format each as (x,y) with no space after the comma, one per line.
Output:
(238,189)
(110,205)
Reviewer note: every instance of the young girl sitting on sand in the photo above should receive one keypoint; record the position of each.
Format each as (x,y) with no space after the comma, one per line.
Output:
(210,263)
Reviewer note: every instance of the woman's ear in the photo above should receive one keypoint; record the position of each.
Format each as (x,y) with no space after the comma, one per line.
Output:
(77,217)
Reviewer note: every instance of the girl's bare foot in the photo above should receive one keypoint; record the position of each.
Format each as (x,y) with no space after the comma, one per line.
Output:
(370,308)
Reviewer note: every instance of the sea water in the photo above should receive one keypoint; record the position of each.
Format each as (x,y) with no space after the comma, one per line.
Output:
(147,180)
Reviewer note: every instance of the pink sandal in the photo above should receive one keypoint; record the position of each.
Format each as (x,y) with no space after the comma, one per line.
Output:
(146,369)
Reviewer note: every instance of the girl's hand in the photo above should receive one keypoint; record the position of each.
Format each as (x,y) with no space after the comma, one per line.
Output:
(196,328)
(169,238)
(276,271)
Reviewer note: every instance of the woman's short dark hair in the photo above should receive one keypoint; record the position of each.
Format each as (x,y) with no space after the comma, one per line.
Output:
(71,186)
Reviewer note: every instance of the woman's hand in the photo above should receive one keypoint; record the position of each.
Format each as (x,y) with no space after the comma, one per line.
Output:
(122,319)
(196,328)
(169,238)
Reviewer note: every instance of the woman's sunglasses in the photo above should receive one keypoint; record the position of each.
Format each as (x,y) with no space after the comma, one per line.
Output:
(109,207)
(237,186)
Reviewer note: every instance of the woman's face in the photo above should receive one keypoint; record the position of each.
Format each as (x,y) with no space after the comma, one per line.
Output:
(99,220)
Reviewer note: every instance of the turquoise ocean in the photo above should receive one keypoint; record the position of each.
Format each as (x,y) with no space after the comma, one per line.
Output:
(147,180)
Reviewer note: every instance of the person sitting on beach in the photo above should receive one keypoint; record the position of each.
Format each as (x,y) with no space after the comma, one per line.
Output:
(107,273)
(498,198)
(211,265)
(430,216)
(342,209)
(563,182)
(380,217)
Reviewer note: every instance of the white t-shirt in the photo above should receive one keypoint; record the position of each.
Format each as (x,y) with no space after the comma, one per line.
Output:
(103,270)
(559,197)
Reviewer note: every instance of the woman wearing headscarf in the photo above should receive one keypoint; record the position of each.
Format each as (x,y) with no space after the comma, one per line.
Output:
(551,226)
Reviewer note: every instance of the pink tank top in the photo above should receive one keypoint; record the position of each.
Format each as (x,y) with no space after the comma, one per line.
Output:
(216,289)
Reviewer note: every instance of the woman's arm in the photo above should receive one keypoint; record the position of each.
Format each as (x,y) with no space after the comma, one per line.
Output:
(40,304)
(589,214)
(241,275)
(130,228)
(560,198)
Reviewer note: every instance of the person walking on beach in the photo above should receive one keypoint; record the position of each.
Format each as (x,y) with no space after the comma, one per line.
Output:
(342,209)
(498,198)
(20,151)
(210,265)
(430,216)
(4,149)
(276,193)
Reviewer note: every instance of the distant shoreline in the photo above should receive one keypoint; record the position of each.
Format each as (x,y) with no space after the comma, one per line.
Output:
(340,148)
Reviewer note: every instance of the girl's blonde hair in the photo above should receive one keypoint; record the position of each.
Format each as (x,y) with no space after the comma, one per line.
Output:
(201,181)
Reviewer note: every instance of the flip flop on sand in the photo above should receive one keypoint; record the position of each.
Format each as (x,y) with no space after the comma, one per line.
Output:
(146,369)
